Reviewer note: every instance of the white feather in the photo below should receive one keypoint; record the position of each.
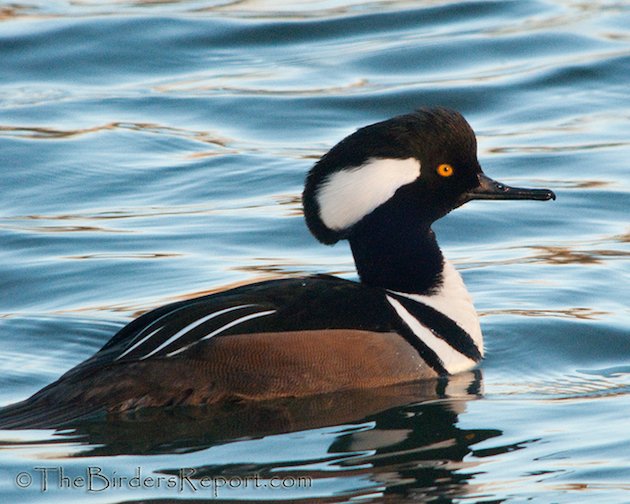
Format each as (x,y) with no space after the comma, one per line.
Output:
(190,327)
(222,329)
(347,196)
(454,301)
(454,361)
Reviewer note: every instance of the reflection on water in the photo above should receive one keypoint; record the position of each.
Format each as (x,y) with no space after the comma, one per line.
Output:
(577,387)
(574,252)
(38,133)
(566,255)
(570,313)
(195,428)
(206,85)
(402,438)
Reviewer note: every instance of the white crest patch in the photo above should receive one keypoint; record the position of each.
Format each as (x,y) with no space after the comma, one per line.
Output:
(454,301)
(347,196)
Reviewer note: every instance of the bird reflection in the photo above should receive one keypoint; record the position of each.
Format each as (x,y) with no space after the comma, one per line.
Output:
(409,444)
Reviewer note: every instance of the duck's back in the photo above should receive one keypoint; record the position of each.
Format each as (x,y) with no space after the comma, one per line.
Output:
(280,338)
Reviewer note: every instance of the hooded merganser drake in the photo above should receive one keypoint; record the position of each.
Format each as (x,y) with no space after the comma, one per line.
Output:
(410,317)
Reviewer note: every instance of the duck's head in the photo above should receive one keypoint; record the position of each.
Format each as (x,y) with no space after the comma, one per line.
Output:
(411,168)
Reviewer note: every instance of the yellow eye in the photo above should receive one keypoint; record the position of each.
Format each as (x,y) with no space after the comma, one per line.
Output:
(445,170)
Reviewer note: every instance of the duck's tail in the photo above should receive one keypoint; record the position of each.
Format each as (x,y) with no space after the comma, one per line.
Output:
(37,414)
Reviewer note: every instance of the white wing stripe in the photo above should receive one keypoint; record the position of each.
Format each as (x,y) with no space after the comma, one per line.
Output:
(138,343)
(191,326)
(224,328)
(453,361)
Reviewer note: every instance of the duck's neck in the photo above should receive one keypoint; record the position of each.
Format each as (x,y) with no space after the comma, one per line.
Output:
(409,262)
(399,258)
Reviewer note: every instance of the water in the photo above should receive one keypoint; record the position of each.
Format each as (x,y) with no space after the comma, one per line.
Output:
(152,151)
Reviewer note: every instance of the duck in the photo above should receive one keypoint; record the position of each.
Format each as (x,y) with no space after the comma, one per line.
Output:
(409,317)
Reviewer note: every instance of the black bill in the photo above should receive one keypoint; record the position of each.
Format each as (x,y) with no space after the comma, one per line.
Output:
(492,190)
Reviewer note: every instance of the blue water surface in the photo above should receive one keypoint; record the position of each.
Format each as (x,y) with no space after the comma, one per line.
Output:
(154,151)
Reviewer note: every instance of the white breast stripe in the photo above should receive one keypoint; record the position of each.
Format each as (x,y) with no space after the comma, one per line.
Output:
(347,196)
(224,328)
(191,326)
(454,301)
(454,362)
